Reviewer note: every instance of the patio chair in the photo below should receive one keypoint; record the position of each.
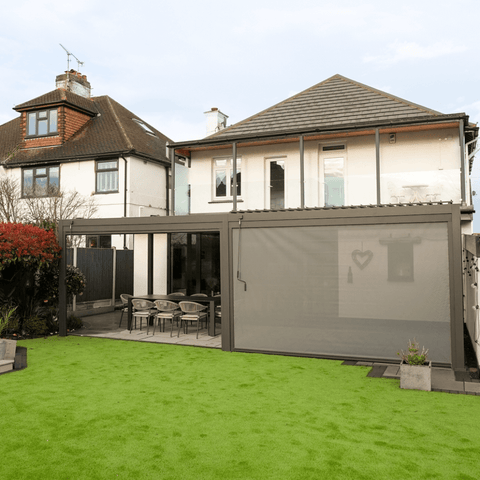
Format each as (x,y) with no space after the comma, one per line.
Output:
(167,311)
(124,298)
(143,309)
(199,295)
(192,312)
(178,294)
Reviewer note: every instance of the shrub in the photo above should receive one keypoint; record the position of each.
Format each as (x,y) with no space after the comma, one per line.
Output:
(74,323)
(412,355)
(8,318)
(35,325)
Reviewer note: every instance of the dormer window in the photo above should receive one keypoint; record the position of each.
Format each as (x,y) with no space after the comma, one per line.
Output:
(42,123)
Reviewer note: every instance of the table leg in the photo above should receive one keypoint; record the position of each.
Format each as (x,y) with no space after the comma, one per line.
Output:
(211,321)
(129,314)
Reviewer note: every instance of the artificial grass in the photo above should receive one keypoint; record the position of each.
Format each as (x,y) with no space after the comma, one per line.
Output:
(88,408)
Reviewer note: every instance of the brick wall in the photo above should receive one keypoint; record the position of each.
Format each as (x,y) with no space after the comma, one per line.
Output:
(70,122)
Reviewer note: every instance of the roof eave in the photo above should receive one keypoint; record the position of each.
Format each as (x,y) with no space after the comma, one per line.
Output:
(228,139)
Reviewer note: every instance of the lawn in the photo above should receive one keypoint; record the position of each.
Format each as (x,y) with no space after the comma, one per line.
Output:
(88,408)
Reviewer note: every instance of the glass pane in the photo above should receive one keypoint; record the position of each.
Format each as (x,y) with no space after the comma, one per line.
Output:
(334,182)
(31,124)
(42,127)
(277,184)
(42,114)
(220,183)
(41,171)
(40,186)
(27,182)
(239,182)
(106,165)
(220,163)
(107,181)
(53,121)
(54,179)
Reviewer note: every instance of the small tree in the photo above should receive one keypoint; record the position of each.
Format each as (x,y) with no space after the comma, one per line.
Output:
(43,211)
(25,252)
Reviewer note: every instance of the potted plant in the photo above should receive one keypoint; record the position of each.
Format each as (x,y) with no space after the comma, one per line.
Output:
(415,370)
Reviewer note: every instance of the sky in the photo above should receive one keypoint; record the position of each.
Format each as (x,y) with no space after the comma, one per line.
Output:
(169,62)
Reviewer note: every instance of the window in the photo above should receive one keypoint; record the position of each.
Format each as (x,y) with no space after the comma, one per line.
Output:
(333,175)
(223,170)
(41,123)
(400,258)
(145,127)
(107,176)
(99,241)
(277,184)
(40,182)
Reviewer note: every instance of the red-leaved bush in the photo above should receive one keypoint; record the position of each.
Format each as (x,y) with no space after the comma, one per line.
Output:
(26,245)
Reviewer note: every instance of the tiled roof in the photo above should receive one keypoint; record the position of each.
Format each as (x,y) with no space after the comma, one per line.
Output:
(335,101)
(57,96)
(111,131)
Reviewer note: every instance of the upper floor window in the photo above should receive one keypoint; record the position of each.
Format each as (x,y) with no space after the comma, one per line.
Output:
(40,182)
(43,122)
(223,177)
(107,176)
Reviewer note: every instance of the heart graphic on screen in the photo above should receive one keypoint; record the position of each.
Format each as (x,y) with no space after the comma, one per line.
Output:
(362,259)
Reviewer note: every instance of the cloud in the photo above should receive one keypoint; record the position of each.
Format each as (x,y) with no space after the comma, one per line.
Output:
(404,51)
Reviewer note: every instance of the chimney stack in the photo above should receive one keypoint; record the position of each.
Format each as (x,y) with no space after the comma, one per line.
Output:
(216,121)
(74,82)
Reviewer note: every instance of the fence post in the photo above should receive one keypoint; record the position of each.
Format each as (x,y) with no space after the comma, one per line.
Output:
(114,274)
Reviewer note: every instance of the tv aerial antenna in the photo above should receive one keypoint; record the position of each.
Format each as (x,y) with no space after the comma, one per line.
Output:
(68,59)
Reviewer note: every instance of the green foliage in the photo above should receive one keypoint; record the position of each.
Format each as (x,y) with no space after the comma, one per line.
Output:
(8,319)
(35,325)
(412,355)
(74,323)
(76,281)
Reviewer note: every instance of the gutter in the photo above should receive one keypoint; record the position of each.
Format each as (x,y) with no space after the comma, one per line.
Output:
(80,158)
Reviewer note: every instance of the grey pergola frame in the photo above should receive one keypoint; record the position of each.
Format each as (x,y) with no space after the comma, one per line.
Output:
(226,223)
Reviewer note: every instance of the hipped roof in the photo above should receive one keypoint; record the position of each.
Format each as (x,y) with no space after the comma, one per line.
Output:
(336,103)
(110,132)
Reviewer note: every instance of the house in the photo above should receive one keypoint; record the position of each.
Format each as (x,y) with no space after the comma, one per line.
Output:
(337,143)
(332,222)
(69,140)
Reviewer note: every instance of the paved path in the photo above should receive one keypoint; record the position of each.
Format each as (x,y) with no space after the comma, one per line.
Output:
(443,379)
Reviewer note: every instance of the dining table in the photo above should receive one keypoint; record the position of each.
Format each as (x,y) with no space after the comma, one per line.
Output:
(211,301)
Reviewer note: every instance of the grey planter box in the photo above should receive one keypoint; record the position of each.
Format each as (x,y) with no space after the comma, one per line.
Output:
(416,377)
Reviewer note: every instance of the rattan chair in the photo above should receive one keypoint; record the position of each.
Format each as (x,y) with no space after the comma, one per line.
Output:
(192,312)
(178,294)
(143,309)
(124,298)
(199,295)
(166,311)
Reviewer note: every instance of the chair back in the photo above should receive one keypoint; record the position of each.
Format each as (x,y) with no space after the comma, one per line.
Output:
(191,307)
(166,306)
(124,298)
(178,294)
(141,304)
(199,295)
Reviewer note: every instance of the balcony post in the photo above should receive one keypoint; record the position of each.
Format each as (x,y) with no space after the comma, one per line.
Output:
(302,172)
(377,164)
(234,166)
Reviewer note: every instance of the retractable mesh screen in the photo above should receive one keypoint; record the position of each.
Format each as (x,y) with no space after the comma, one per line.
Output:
(349,290)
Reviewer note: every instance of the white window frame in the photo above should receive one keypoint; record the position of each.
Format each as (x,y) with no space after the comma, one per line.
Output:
(321,170)
(228,168)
